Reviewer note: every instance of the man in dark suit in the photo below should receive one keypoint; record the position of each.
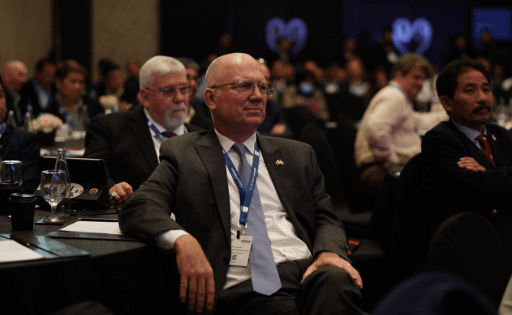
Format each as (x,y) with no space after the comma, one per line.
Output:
(70,104)
(17,144)
(40,90)
(306,239)
(465,171)
(129,142)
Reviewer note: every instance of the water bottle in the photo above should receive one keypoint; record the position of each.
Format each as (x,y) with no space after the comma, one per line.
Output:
(27,122)
(61,165)
(11,121)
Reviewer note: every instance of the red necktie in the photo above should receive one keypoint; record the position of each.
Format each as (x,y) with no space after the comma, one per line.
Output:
(486,149)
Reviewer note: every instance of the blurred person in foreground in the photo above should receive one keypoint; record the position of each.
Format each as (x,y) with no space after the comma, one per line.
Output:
(298,253)
(388,134)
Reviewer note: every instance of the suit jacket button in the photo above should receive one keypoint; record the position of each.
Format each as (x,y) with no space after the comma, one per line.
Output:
(225,260)
(494,212)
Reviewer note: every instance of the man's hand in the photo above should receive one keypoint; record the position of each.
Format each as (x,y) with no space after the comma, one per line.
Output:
(331,259)
(123,190)
(470,164)
(196,274)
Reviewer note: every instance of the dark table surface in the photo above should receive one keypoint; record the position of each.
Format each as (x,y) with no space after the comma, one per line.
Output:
(128,277)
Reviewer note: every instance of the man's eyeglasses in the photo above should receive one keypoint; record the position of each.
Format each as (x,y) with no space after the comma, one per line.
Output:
(171,92)
(247,87)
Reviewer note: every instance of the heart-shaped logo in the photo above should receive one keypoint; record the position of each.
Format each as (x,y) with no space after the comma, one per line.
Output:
(296,30)
(414,37)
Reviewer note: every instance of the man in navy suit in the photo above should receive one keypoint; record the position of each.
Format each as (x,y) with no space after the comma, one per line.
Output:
(192,181)
(17,144)
(468,161)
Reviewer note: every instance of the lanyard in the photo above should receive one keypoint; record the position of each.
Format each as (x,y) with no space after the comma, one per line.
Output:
(2,128)
(156,131)
(67,117)
(64,115)
(245,194)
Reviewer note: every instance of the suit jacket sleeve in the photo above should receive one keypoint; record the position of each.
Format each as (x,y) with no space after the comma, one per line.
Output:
(149,208)
(441,152)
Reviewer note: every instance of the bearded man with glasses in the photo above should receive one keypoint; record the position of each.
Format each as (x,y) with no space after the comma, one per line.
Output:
(255,231)
(129,142)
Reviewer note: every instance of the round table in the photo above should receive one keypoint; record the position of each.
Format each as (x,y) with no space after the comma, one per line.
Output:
(128,277)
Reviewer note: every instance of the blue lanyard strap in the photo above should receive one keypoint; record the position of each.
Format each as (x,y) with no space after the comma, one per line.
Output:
(157,132)
(245,195)
(2,128)
(64,115)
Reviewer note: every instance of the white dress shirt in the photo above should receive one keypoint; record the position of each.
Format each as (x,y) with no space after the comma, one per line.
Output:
(156,140)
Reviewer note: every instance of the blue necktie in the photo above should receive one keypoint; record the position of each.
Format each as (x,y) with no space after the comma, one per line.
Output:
(264,276)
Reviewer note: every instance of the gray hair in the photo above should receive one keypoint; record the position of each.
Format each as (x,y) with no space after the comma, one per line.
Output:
(410,61)
(189,63)
(161,65)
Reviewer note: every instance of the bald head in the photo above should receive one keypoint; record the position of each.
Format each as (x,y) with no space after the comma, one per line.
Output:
(236,113)
(14,75)
(217,68)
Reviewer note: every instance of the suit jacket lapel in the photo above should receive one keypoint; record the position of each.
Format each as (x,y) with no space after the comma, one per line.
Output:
(141,133)
(278,172)
(479,156)
(495,144)
(210,152)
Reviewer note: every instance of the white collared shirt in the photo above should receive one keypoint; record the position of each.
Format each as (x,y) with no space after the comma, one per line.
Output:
(286,245)
(181,130)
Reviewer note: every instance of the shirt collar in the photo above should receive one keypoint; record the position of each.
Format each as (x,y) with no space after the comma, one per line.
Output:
(469,132)
(177,131)
(78,104)
(40,88)
(395,84)
(227,143)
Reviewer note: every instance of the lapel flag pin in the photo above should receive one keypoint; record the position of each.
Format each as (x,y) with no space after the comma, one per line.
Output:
(279,162)
(493,138)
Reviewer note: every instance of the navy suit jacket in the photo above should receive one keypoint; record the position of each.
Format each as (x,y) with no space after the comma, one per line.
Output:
(124,141)
(17,144)
(458,190)
(29,94)
(191,182)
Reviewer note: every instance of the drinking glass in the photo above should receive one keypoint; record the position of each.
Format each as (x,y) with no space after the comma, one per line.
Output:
(54,188)
(11,178)
(11,172)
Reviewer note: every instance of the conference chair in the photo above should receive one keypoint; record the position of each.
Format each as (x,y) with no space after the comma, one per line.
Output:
(434,294)
(471,247)
(357,198)
(366,254)
(297,118)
